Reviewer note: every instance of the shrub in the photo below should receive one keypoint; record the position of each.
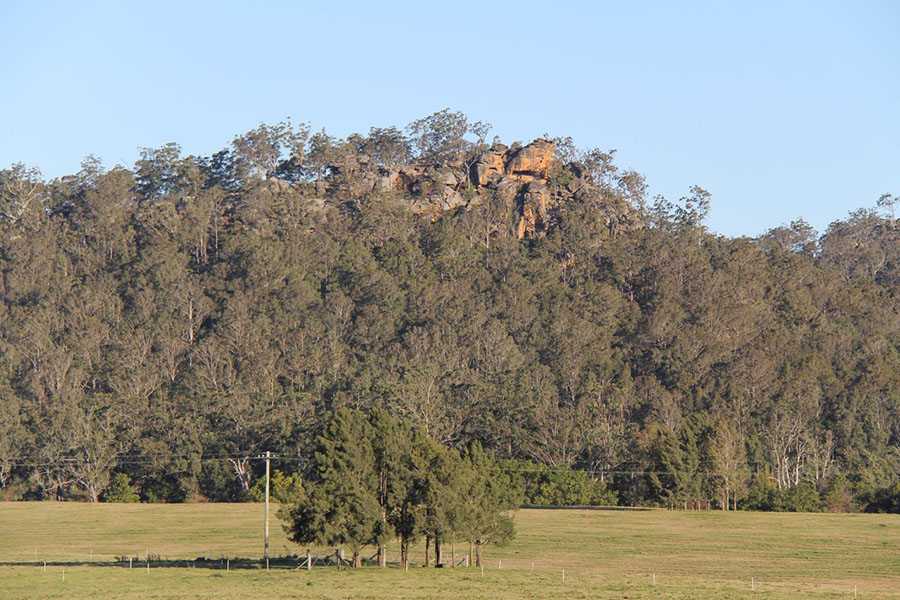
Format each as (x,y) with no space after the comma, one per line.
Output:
(839,497)
(559,486)
(802,497)
(285,489)
(120,490)
(884,500)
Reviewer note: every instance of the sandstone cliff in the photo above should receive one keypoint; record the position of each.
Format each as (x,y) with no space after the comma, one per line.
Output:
(529,179)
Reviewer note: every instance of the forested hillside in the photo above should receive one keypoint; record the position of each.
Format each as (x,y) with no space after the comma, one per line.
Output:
(175,319)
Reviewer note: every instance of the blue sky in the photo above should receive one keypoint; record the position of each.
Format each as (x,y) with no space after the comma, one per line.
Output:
(779,109)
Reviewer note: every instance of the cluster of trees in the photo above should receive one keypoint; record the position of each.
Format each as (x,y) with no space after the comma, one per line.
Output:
(172,320)
(376,479)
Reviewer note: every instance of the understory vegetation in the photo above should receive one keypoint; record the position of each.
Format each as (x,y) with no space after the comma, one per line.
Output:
(163,325)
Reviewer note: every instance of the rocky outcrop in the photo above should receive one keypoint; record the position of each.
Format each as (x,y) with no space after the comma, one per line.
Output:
(490,167)
(532,162)
(530,179)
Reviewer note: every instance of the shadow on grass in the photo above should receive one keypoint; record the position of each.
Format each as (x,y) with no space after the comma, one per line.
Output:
(617,508)
(215,564)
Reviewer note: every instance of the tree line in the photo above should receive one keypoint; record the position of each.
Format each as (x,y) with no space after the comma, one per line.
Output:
(171,320)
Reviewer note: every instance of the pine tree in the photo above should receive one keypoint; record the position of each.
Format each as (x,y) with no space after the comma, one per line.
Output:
(342,508)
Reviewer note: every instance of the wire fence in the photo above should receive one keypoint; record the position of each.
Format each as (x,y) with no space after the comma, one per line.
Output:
(56,561)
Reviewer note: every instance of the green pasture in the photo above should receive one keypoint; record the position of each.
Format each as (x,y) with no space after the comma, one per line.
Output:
(604,553)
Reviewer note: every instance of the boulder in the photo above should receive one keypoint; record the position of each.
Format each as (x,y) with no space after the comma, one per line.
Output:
(490,167)
(452,201)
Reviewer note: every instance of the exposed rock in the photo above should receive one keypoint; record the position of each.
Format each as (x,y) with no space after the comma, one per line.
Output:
(452,201)
(532,162)
(538,209)
(447,177)
(491,166)
(528,179)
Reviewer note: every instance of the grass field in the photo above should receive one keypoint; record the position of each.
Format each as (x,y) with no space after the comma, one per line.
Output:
(605,554)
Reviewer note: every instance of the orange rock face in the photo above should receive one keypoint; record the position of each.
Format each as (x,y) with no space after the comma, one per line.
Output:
(520,176)
(524,180)
(490,166)
(537,207)
(532,162)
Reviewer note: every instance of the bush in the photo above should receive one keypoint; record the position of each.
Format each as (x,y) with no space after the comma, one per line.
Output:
(164,489)
(560,486)
(803,497)
(839,497)
(120,490)
(885,500)
(285,489)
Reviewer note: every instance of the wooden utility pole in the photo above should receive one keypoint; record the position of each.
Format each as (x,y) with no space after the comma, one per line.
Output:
(268,456)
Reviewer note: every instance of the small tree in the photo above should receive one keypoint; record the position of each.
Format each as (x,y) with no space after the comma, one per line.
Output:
(283,488)
(120,490)
(487,494)
(441,137)
(392,443)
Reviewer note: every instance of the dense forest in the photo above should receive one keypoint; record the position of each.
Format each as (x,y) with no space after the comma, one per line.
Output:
(163,325)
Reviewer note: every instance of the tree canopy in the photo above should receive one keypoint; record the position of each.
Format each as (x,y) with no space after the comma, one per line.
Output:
(171,320)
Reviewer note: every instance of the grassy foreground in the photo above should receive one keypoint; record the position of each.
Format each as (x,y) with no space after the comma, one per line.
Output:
(605,554)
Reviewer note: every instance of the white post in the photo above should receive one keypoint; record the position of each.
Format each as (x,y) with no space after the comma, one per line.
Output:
(64,574)
(500,563)
(129,562)
(92,555)
(654,579)
(45,566)
(227,564)
(564,574)
(266,554)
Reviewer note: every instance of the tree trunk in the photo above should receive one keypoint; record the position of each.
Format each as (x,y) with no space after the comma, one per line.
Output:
(427,550)
(357,560)
(382,556)
(404,552)
(438,555)
(478,554)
